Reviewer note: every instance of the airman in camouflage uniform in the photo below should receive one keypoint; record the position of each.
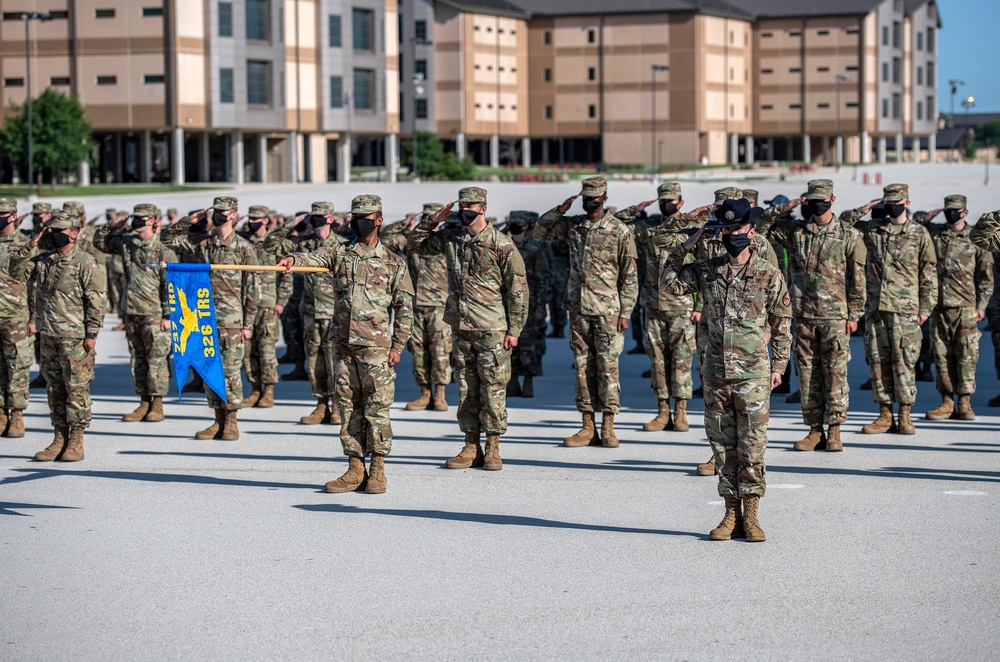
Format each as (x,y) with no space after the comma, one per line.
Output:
(370,327)
(86,239)
(670,333)
(292,325)
(261,360)
(603,290)
(41,214)
(746,306)
(115,268)
(995,322)
(902,291)
(144,305)
(235,294)
(829,258)
(68,312)
(558,286)
(487,308)
(986,235)
(15,342)
(965,285)
(526,358)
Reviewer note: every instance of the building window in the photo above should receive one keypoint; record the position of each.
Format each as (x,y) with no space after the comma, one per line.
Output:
(258,23)
(152,79)
(421,109)
(420,68)
(364,29)
(591,111)
(822,105)
(591,73)
(547,75)
(364,89)
(794,33)
(930,74)
(920,110)
(920,41)
(13,82)
(920,75)
(897,30)
(59,80)
(885,72)
(851,31)
(823,70)
(336,91)
(885,35)
(420,30)
(591,36)
(885,108)
(897,69)
(852,104)
(226,86)
(896,103)
(795,70)
(104,13)
(852,68)
(766,35)
(767,106)
(107,80)
(547,38)
(258,83)
(795,106)
(225,19)
(930,108)
(822,33)
(152,11)
(334,27)
(930,40)
(548,112)
(767,71)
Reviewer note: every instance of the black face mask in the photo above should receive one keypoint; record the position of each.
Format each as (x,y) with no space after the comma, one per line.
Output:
(468,216)
(5,221)
(590,206)
(317,221)
(819,207)
(668,209)
(879,212)
(60,239)
(804,208)
(218,218)
(515,228)
(736,243)
(952,216)
(138,223)
(363,226)
(896,210)
(254,226)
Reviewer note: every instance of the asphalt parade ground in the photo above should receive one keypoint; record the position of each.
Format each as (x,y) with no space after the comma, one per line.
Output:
(158,546)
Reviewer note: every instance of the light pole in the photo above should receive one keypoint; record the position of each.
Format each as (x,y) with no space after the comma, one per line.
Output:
(955,84)
(28,17)
(969,103)
(656,68)
(841,78)
(418,90)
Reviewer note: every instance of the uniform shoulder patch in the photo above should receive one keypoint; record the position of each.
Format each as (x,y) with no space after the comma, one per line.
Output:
(787,300)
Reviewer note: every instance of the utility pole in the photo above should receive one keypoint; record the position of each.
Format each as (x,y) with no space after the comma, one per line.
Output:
(28,17)
(656,68)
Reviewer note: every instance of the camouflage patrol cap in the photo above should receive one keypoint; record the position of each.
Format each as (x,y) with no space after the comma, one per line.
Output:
(321,209)
(472,195)
(8,206)
(257,211)
(41,208)
(431,207)
(669,191)
(63,220)
(363,205)
(225,203)
(728,193)
(594,187)
(896,193)
(110,210)
(171,210)
(522,216)
(74,207)
(273,213)
(955,202)
(734,213)
(145,210)
(751,195)
(819,189)
(122,212)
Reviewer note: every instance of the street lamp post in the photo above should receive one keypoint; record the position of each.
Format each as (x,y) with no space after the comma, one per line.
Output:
(656,68)
(841,78)
(418,90)
(955,84)
(969,103)
(28,17)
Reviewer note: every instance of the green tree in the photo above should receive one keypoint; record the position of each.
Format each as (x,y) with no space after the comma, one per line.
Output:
(433,162)
(62,135)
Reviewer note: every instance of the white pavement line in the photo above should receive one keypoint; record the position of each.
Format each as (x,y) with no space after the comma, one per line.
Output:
(785,486)
(964,493)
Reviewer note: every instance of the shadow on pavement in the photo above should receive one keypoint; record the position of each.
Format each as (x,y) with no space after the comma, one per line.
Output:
(8,508)
(37,474)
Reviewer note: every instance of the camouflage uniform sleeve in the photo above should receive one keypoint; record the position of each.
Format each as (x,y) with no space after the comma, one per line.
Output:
(402,305)
(175,238)
(552,226)
(779,320)
(542,275)
(251,288)
(395,241)
(770,217)
(628,275)
(515,290)
(627,215)
(771,255)
(279,243)
(678,277)
(94,292)
(107,240)
(857,258)
(984,279)
(928,284)
(286,282)
(986,233)
(852,216)
(318,258)
(778,232)
(425,240)
(166,255)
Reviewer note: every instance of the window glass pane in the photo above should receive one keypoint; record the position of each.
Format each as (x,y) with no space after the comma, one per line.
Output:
(420,67)
(335,41)
(225,85)
(363,29)
(364,89)
(336,92)
(421,109)
(258,25)
(420,30)
(258,83)
(225,19)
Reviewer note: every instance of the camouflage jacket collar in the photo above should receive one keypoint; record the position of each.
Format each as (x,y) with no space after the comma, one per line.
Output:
(228,241)
(817,228)
(483,234)
(600,223)
(952,233)
(366,252)
(17,237)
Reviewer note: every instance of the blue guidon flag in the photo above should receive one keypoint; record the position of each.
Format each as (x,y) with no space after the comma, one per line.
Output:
(193,331)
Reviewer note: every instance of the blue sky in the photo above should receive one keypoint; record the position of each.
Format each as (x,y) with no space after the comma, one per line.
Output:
(967,52)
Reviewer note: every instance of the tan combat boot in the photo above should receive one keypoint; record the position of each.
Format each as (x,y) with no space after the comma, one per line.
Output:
(55,449)
(608,438)
(470,456)
(662,419)
(492,461)
(74,448)
(4,420)
(681,415)
(884,423)
(440,403)
(905,423)
(317,415)
(213,431)
(15,426)
(352,479)
(833,442)
(528,388)
(965,412)
(332,415)
(266,397)
(251,400)
(707,469)
(230,430)
(139,413)
(297,374)
(727,526)
(513,387)
(155,413)
(750,522)
(376,475)
(815,439)
(944,410)
(421,402)
(587,436)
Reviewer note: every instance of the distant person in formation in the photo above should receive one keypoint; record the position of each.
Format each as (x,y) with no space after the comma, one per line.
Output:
(526,358)
(603,290)
(292,325)
(370,327)
(15,341)
(144,307)
(260,361)
(986,235)
(68,311)
(828,258)
(208,237)
(670,318)
(487,308)
(746,307)
(965,286)
(902,292)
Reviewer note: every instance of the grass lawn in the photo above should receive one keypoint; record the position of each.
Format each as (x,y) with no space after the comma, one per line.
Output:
(46,191)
